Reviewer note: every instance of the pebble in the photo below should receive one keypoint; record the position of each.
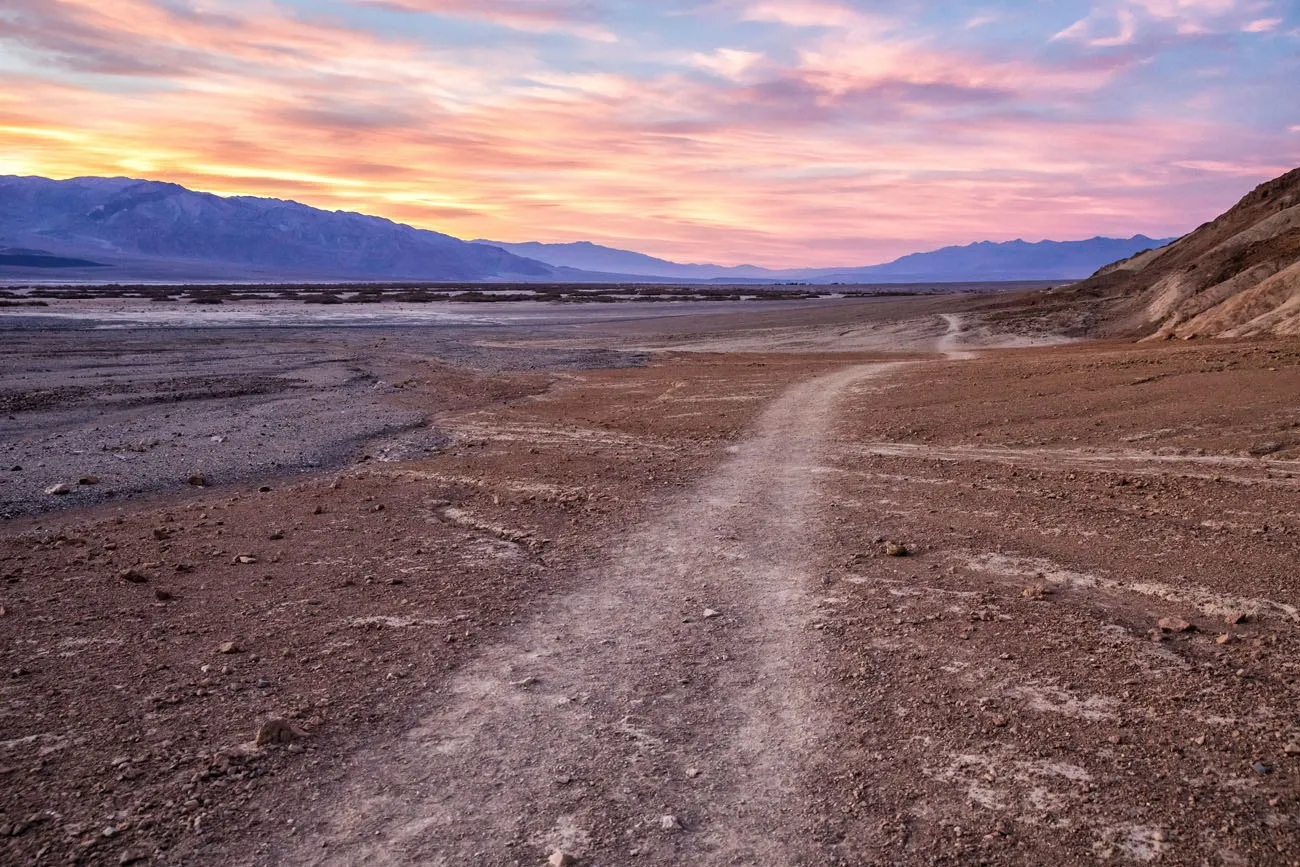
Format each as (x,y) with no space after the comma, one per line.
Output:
(560,858)
(670,823)
(229,647)
(1262,768)
(88,480)
(198,481)
(134,576)
(895,549)
(1174,624)
(58,490)
(276,731)
(710,613)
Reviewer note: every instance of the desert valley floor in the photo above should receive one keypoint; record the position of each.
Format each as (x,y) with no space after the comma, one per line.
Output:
(823,582)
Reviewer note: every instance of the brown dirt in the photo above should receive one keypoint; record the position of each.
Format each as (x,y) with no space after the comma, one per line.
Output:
(502,648)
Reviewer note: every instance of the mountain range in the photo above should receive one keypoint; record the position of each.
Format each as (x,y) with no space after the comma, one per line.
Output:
(125,229)
(982,261)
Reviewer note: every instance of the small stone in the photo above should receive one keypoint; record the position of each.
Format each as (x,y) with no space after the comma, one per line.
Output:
(710,613)
(276,536)
(88,480)
(129,857)
(1292,749)
(1232,618)
(998,721)
(1035,591)
(1174,624)
(895,549)
(246,559)
(1225,638)
(264,489)
(1262,768)
(160,533)
(58,490)
(277,731)
(692,772)
(162,595)
(134,576)
(198,481)
(560,858)
(230,647)
(319,510)
(670,823)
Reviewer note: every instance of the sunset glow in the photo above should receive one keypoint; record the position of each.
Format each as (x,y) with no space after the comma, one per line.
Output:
(773,132)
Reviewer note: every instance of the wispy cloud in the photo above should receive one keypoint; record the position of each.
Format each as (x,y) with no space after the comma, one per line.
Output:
(783,133)
(573,17)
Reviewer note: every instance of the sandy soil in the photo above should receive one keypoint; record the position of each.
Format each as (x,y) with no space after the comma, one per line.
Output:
(641,608)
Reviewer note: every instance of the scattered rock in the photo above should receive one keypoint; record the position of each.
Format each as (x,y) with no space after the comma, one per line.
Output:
(895,549)
(692,772)
(560,858)
(129,857)
(88,480)
(230,647)
(160,533)
(277,731)
(670,823)
(135,576)
(264,489)
(58,490)
(1225,638)
(198,481)
(1036,591)
(710,613)
(1232,618)
(1174,624)
(162,595)
(276,535)
(246,559)
(1262,768)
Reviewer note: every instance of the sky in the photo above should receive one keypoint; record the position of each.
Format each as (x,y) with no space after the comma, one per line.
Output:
(774,132)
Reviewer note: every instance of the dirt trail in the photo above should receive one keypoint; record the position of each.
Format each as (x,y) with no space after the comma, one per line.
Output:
(622,711)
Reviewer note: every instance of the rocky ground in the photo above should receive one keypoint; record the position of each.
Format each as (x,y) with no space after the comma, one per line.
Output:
(651,593)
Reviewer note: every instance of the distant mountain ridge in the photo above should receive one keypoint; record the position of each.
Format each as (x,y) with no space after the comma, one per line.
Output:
(125,229)
(981,261)
(153,226)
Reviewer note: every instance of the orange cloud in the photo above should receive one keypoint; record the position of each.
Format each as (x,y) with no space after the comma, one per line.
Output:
(853,151)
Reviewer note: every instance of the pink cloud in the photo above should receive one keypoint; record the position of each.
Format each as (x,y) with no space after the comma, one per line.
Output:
(543,16)
(865,146)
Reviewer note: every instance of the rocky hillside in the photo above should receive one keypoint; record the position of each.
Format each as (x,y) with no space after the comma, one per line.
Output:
(1237,276)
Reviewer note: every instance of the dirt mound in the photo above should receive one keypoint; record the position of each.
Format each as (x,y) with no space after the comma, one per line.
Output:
(1237,276)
